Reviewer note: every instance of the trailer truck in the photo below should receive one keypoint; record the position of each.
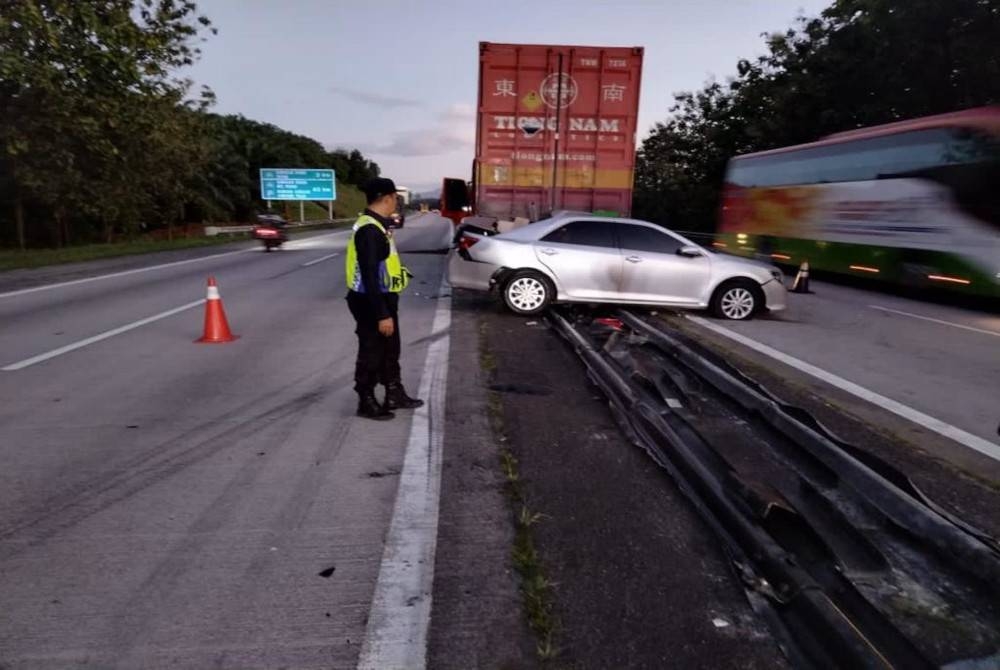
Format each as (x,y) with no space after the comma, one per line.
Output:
(555,130)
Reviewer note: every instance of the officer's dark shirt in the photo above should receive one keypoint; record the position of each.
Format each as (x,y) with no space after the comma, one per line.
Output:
(373,248)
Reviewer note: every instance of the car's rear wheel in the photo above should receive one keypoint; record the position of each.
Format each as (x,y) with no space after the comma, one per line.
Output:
(527,293)
(738,299)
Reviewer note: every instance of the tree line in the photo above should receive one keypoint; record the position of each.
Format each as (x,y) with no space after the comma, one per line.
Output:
(860,63)
(101,138)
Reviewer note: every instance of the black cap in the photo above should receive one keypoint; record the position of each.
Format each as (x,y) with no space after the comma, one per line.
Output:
(377,188)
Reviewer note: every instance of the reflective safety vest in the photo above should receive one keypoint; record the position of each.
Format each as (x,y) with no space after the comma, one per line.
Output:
(393,276)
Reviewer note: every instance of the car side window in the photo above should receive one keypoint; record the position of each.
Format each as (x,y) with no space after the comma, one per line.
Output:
(642,238)
(584,234)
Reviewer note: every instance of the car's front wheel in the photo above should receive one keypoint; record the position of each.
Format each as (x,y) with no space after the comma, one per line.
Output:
(527,293)
(738,299)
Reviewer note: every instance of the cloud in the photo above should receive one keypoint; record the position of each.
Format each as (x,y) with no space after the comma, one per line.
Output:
(455,129)
(459,112)
(429,142)
(375,99)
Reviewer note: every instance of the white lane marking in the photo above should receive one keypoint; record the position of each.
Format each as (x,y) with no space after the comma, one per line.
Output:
(320,260)
(940,427)
(20,365)
(312,242)
(674,403)
(125,273)
(396,635)
(984,331)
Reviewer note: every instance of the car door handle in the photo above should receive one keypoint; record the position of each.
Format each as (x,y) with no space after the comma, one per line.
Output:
(549,252)
(633,259)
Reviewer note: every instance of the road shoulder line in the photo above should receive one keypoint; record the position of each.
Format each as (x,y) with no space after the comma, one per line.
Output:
(399,620)
(924,420)
(942,322)
(125,273)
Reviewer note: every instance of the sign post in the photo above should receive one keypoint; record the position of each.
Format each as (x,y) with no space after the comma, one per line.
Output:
(298,184)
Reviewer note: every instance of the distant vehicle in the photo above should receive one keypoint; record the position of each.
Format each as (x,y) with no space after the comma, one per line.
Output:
(555,129)
(455,199)
(915,203)
(612,260)
(271,230)
(403,196)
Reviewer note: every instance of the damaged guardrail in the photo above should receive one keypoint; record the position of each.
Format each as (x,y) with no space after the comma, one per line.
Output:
(832,544)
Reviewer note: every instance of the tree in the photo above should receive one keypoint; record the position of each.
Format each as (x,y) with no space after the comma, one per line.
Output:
(98,136)
(861,63)
(79,83)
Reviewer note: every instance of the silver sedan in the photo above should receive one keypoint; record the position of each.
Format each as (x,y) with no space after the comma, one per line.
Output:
(580,258)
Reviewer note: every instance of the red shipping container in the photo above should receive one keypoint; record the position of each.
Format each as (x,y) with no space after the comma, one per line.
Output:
(556,129)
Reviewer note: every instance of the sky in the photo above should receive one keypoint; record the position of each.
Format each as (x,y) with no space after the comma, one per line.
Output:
(398,80)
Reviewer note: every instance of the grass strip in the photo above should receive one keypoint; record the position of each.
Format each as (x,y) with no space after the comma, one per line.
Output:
(537,591)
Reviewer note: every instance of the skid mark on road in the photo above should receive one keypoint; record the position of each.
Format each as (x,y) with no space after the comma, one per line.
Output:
(159,591)
(74,504)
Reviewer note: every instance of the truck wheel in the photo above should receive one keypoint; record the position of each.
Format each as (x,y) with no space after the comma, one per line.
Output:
(528,293)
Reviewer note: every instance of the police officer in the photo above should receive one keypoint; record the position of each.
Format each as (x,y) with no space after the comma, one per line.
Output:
(375,278)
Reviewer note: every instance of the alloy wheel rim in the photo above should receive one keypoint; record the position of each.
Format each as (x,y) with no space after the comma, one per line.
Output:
(526,293)
(737,303)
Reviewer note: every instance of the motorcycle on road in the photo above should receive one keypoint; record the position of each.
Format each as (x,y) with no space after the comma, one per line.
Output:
(271,230)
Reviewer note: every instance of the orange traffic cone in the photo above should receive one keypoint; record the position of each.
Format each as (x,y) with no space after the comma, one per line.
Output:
(801,283)
(216,326)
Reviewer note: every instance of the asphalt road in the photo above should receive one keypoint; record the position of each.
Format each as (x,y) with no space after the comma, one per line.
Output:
(170,503)
(938,359)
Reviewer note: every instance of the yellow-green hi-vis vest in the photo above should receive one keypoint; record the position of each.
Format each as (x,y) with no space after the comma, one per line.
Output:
(392,275)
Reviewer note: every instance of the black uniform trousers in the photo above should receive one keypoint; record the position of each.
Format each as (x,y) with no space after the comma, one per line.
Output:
(378,355)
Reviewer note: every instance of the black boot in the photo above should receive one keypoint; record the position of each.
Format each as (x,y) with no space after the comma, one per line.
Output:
(396,398)
(369,408)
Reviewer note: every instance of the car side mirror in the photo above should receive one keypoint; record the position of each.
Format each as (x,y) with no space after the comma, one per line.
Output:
(690,252)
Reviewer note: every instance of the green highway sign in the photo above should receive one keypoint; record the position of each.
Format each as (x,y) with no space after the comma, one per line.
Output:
(297,184)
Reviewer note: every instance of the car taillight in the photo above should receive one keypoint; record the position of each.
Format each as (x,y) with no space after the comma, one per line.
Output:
(466,241)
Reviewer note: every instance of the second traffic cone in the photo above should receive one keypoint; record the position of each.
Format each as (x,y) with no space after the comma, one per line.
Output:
(216,326)
(801,283)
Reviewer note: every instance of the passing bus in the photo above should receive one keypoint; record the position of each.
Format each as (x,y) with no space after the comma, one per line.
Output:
(915,202)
